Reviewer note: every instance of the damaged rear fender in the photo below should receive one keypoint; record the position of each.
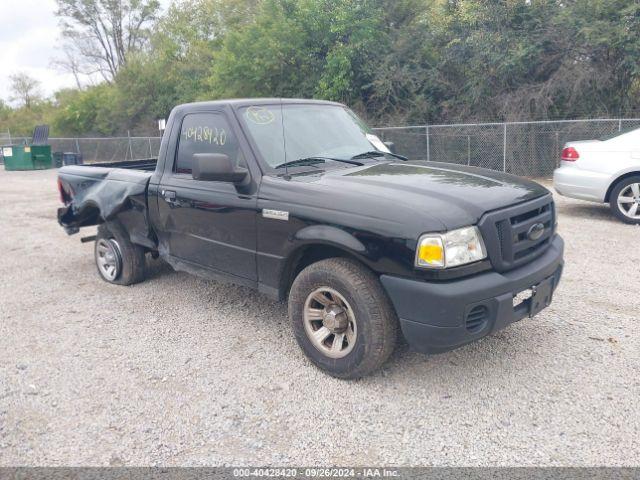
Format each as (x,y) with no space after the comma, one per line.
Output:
(119,196)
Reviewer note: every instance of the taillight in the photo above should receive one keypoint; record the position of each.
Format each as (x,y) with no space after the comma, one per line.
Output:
(569,154)
(62,193)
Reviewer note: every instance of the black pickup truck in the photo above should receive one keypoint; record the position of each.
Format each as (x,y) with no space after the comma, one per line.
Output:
(300,200)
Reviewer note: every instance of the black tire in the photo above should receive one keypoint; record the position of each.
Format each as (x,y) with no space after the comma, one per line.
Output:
(374,316)
(130,258)
(613,200)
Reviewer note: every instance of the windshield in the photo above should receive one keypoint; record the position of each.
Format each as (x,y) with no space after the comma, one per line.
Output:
(298,131)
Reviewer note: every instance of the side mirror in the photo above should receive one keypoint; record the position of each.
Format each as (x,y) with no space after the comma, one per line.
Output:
(216,167)
(391,146)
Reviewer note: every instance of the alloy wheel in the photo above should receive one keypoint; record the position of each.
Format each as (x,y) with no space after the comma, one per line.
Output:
(629,201)
(108,258)
(330,323)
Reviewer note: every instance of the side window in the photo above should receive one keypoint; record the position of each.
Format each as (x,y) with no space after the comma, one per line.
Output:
(205,133)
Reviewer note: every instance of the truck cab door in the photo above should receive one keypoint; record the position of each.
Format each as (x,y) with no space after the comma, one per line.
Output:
(210,224)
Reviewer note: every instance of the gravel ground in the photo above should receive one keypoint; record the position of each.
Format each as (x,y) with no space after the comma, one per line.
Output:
(183,371)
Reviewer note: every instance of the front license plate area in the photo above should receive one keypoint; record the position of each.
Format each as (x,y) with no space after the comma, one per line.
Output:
(540,296)
(522,297)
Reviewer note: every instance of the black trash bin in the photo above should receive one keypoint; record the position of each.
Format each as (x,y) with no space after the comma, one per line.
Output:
(71,158)
(56,159)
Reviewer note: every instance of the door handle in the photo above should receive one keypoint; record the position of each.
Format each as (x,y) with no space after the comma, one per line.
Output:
(169,196)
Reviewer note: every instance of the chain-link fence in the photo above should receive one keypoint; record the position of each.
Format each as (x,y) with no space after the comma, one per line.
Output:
(107,149)
(530,149)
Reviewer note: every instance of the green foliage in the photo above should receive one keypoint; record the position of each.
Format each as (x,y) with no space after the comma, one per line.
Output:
(21,121)
(25,89)
(308,48)
(395,61)
(86,112)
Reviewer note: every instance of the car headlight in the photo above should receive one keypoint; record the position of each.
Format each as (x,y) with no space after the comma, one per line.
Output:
(450,249)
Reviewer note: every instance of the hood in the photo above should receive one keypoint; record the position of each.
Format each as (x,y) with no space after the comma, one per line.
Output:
(455,195)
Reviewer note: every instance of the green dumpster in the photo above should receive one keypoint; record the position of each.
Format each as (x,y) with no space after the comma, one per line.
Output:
(15,158)
(26,157)
(41,155)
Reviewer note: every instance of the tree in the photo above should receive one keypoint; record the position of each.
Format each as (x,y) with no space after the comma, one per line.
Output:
(92,111)
(187,38)
(395,61)
(309,48)
(103,33)
(25,89)
(534,60)
(606,53)
(69,62)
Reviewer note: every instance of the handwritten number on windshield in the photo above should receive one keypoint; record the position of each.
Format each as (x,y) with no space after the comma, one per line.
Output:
(212,136)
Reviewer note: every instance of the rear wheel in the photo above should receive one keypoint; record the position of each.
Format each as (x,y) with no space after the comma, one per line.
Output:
(108,258)
(625,200)
(342,318)
(117,259)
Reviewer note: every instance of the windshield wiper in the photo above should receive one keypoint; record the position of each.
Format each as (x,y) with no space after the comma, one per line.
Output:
(312,161)
(378,153)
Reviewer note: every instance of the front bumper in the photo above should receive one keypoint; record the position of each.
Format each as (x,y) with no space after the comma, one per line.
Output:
(437,317)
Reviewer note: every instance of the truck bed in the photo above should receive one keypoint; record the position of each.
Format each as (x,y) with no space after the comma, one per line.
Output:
(100,192)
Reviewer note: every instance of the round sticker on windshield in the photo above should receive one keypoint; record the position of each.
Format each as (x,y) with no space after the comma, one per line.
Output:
(260,115)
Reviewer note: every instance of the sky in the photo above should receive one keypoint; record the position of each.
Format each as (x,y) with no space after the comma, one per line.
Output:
(29,40)
(29,34)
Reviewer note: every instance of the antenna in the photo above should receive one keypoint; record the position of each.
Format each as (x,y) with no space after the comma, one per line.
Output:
(284,140)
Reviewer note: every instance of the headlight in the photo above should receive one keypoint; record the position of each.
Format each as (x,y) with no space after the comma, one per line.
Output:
(450,249)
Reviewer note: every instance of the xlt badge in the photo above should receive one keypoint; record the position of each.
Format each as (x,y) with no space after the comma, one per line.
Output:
(275,214)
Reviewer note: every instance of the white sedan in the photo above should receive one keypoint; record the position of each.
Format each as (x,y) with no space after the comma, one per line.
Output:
(605,171)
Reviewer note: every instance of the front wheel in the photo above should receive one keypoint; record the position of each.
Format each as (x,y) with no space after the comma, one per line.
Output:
(342,318)
(625,200)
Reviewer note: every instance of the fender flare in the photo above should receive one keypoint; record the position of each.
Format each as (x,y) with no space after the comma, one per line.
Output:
(330,235)
(320,236)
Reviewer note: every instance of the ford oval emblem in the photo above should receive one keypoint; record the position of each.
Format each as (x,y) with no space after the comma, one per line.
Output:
(535,231)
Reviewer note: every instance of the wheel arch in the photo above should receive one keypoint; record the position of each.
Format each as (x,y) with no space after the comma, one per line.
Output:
(618,179)
(316,243)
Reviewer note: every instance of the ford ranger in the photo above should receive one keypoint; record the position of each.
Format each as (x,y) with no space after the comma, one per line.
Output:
(301,201)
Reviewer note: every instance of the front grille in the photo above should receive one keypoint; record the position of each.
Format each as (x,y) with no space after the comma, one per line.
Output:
(477,318)
(507,233)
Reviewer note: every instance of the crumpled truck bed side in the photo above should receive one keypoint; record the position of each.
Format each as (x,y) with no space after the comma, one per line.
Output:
(97,194)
